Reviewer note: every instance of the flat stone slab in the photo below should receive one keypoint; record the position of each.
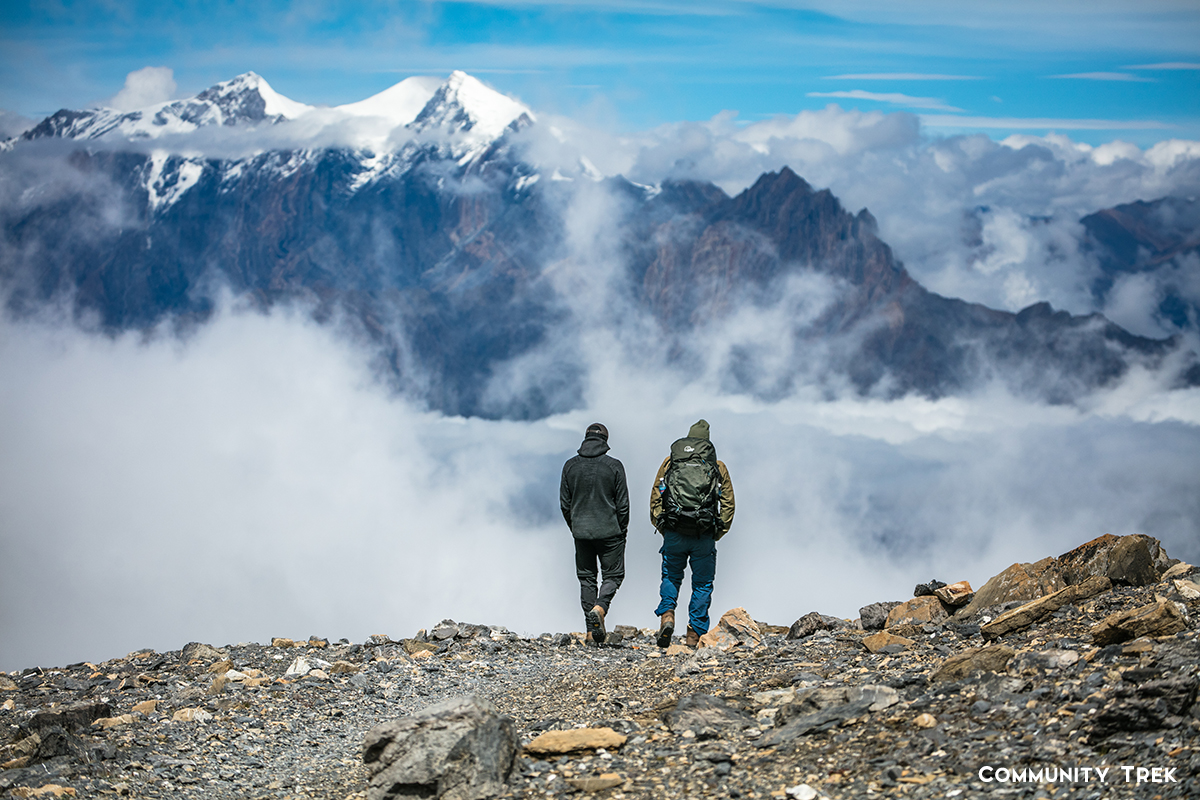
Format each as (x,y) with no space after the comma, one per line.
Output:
(574,741)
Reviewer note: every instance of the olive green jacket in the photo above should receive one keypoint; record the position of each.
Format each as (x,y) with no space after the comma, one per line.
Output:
(725,504)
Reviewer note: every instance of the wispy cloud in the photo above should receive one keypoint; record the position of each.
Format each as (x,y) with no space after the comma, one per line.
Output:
(901,76)
(1042,123)
(1165,65)
(894,98)
(1106,76)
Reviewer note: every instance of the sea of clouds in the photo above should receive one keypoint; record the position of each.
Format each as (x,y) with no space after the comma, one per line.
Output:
(255,478)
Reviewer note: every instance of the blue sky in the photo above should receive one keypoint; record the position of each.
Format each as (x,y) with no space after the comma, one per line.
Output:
(1096,70)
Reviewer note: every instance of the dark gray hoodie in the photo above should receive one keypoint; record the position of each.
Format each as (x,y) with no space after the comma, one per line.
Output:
(593,495)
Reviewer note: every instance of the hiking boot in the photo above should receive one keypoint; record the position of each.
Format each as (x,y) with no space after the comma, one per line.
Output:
(595,624)
(666,629)
(693,638)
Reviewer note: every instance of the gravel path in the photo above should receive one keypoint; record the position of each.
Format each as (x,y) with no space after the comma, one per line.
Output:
(231,723)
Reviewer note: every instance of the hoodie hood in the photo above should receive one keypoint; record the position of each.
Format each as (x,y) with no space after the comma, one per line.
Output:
(593,445)
(699,430)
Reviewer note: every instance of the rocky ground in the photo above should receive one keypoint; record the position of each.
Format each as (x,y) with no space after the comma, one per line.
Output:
(815,715)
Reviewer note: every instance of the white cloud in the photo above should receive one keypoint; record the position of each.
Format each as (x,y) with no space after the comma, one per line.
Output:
(1167,65)
(254,481)
(901,76)
(1106,76)
(896,99)
(1041,123)
(145,87)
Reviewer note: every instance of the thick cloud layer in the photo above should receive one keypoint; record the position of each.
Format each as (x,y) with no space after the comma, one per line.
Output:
(255,481)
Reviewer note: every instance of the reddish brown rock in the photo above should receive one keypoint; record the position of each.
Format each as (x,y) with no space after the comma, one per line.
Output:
(1134,560)
(955,594)
(574,741)
(1022,617)
(734,629)
(1022,582)
(918,611)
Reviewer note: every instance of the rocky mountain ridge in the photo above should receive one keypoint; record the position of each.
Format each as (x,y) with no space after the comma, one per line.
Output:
(929,697)
(444,244)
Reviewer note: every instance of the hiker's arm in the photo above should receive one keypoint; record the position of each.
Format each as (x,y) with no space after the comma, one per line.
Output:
(656,493)
(727,502)
(622,499)
(564,496)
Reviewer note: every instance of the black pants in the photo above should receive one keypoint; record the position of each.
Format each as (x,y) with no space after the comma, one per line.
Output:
(610,553)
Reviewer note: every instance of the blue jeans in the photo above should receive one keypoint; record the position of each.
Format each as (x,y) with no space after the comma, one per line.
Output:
(677,551)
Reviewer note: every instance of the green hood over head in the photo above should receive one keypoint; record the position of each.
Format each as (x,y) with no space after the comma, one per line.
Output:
(699,430)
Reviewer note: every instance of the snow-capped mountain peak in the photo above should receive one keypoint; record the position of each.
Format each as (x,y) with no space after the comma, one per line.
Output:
(399,104)
(464,105)
(248,98)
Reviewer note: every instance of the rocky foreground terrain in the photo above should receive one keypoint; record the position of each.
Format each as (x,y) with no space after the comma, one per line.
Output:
(1073,676)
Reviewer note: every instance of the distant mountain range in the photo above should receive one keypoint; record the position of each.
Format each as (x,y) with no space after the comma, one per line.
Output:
(429,231)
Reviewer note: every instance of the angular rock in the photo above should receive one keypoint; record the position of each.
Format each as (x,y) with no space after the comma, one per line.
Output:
(734,629)
(878,642)
(955,594)
(993,658)
(191,715)
(706,715)
(73,718)
(1134,560)
(280,641)
(446,629)
(298,668)
(926,589)
(879,697)
(459,749)
(197,651)
(812,622)
(414,646)
(1022,617)
(1019,582)
(874,616)
(1157,619)
(1180,570)
(918,611)
(596,783)
(145,707)
(576,740)
(816,710)
(1188,590)
(113,722)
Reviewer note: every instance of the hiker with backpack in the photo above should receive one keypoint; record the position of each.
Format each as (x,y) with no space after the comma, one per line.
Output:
(594,499)
(691,505)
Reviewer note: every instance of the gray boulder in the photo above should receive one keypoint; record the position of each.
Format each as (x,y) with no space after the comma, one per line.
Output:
(875,615)
(459,749)
(812,622)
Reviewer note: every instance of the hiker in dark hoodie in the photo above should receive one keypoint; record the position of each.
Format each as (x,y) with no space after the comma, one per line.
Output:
(691,505)
(594,500)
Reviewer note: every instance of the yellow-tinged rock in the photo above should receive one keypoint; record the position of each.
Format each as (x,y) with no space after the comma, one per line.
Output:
(422,654)
(191,715)
(7,684)
(679,649)
(318,642)
(218,685)
(146,707)
(221,667)
(8,705)
(112,722)
(252,682)
(49,790)
(281,642)
(1157,619)
(596,783)
(574,741)
(925,721)
(877,641)
(343,667)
